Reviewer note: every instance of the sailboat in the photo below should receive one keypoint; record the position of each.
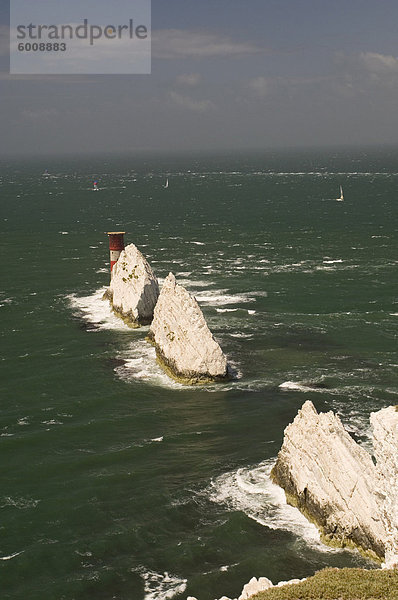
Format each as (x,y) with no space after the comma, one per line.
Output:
(166,185)
(341,195)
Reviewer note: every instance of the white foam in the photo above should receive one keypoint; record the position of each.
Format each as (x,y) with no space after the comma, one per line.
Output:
(225,568)
(88,553)
(141,364)
(20,503)
(10,556)
(188,283)
(296,386)
(263,294)
(241,335)
(6,301)
(97,311)
(161,586)
(251,491)
(222,298)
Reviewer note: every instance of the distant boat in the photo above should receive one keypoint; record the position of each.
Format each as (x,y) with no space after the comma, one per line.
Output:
(166,185)
(341,195)
(46,173)
(95,186)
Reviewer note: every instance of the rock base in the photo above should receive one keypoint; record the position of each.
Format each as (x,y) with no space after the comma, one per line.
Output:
(184,377)
(127,317)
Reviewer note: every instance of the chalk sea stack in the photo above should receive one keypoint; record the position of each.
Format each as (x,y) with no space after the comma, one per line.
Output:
(332,480)
(184,344)
(134,289)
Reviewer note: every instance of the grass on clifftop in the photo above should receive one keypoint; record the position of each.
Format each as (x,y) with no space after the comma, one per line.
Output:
(339,584)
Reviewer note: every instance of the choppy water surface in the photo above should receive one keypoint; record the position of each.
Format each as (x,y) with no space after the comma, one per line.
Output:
(118,483)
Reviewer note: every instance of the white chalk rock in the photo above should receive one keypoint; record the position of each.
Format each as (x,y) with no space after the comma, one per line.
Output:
(134,289)
(331,479)
(183,341)
(385,444)
(257,585)
(290,582)
(254,587)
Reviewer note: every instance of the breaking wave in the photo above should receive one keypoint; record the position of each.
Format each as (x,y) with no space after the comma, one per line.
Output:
(252,491)
(161,586)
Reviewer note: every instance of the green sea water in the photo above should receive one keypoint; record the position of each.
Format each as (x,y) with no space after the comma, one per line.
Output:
(117,483)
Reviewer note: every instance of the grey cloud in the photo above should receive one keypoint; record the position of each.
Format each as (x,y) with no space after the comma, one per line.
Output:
(367,69)
(189,79)
(379,63)
(41,114)
(191,103)
(260,86)
(177,43)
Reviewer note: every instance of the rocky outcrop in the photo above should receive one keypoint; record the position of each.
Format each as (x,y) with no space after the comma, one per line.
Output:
(184,344)
(134,289)
(385,444)
(255,586)
(336,484)
(332,480)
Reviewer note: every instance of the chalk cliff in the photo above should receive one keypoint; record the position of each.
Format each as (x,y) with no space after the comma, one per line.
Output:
(385,444)
(183,341)
(332,480)
(134,289)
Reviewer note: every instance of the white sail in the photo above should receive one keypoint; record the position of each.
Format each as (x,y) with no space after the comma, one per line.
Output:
(341,195)
(166,185)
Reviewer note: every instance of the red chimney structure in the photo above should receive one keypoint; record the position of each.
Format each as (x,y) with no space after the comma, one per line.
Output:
(116,245)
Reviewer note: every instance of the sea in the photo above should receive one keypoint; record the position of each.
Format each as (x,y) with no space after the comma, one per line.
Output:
(118,483)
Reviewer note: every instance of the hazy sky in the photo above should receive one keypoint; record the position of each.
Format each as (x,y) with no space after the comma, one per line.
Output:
(226,74)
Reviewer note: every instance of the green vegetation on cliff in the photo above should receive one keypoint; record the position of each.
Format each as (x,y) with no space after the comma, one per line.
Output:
(339,584)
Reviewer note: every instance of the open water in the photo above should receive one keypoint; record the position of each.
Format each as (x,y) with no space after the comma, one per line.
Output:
(117,483)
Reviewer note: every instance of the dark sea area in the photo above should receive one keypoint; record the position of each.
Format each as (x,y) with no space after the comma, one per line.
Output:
(118,483)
